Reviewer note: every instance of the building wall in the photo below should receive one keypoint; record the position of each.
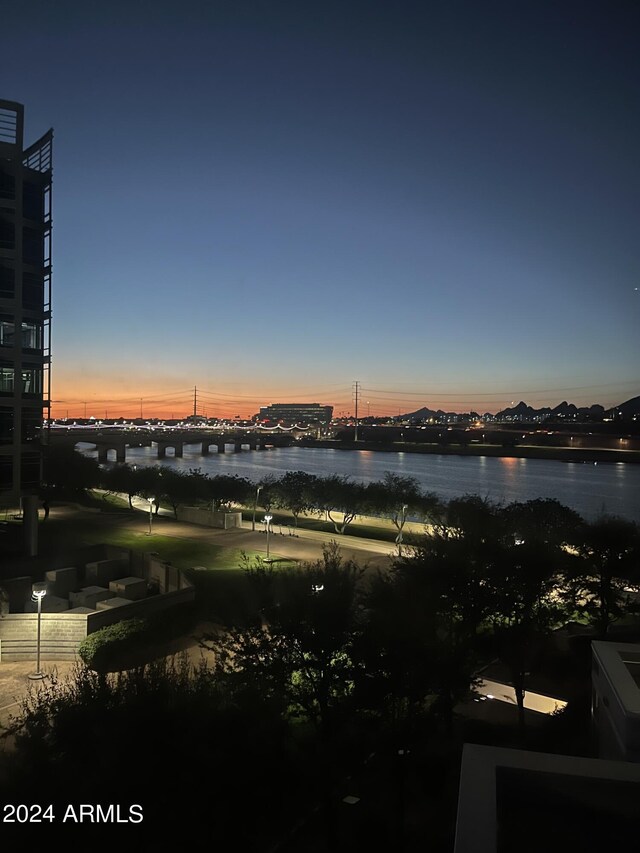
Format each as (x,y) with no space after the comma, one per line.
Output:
(25,295)
(615,701)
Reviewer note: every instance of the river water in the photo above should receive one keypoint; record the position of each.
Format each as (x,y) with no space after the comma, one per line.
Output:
(590,489)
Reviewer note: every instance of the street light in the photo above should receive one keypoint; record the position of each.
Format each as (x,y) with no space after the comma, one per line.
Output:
(267,521)
(255,504)
(405,507)
(150,514)
(38,592)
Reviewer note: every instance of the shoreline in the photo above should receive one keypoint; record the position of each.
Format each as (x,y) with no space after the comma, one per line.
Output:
(558,454)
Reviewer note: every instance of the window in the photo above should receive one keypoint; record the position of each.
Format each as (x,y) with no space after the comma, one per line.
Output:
(6,473)
(31,379)
(6,425)
(32,201)
(7,185)
(32,247)
(6,378)
(32,290)
(7,282)
(31,335)
(31,425)
(7,235)
(7,330)
(30,470)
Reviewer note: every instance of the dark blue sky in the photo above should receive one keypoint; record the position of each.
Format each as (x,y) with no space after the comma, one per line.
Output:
(270,200)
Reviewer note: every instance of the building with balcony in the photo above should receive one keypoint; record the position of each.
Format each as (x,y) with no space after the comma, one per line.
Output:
(25,312)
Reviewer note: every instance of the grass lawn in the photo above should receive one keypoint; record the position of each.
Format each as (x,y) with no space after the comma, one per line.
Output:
(368,527)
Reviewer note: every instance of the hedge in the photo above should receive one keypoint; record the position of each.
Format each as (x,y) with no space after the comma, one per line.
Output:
(101,650)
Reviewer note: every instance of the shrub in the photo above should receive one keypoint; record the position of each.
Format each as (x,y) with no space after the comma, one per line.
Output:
(100,651)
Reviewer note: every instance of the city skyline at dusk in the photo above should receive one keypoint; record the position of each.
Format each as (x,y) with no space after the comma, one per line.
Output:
(270,201)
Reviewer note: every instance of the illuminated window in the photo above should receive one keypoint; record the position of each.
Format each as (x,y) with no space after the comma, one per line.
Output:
(6,378)
(31,335)
(31,380)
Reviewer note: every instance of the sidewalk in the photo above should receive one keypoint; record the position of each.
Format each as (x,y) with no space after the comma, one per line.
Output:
(15,683)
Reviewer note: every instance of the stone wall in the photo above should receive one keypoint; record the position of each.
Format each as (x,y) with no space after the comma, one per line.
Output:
(60,636)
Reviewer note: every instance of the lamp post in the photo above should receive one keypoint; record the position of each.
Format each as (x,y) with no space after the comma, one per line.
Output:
(255,504)
(38,592)
(150,514)
(403,518)
(267,520)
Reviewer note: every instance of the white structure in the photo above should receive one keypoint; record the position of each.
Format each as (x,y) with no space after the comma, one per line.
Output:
(615,699)
(511,799)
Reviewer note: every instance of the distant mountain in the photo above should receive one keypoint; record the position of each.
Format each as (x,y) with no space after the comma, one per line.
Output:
(523,412)
(562,410)
(628,409)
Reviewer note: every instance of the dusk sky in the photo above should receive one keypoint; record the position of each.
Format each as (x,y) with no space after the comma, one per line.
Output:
(270,200)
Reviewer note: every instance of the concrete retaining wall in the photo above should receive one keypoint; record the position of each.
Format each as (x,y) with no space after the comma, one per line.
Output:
(61,634)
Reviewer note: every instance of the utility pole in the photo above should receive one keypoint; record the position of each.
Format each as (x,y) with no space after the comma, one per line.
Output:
(140,408)
(195,401)
(356,386)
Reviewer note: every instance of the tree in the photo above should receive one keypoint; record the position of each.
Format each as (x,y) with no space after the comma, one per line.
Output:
(177,487)
(267,487)
(397,497)
(603,583)
(433,603)
(224,491)
(524,580)
(230,728)
(294,491)
(336,494)
(120,479)
(301,654)
(68,472)
(543,520)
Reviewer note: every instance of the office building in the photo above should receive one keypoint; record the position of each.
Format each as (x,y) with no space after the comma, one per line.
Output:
(296,413)
(25,312)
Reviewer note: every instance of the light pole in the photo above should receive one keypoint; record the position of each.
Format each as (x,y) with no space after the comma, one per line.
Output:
(267,520)
(150,514)
(255,504)
(403,518)
(38,592)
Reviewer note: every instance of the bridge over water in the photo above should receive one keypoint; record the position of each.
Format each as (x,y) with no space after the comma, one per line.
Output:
(118,440)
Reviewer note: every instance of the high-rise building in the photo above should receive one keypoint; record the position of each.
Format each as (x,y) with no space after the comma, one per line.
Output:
(25,312)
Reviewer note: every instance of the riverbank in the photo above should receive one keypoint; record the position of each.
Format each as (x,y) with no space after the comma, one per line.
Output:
(525,451)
